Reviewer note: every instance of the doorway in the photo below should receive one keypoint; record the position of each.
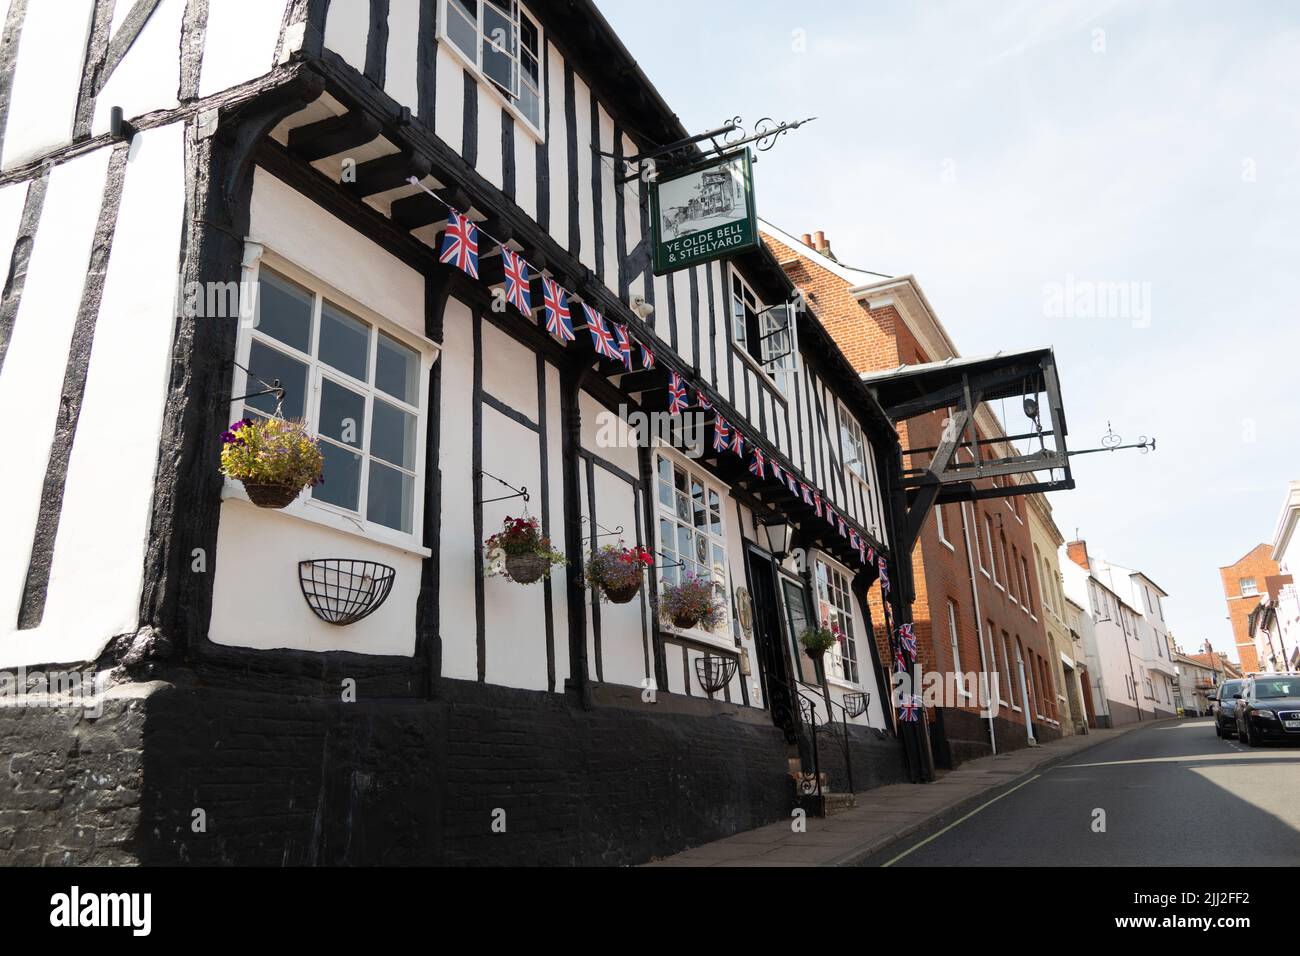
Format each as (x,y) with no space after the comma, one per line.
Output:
(774,669)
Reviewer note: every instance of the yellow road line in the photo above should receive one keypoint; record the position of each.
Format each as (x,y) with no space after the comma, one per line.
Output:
(935,836)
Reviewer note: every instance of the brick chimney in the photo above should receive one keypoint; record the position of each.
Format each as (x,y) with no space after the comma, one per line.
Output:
(821,245)
(807,240)
(1078,552)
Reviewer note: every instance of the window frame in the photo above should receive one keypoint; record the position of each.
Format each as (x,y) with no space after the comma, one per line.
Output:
(474,63)
(662,512)
(836,671)
(773,377)
(427,353)
(1254,587)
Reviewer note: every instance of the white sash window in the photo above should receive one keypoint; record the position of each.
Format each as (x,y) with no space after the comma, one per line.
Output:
(835,611)
(692,535)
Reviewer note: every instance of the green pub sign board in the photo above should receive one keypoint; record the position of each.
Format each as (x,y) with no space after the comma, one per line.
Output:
(704,213)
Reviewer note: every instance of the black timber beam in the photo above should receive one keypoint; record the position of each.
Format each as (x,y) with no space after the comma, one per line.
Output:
(329,137)
(388,172)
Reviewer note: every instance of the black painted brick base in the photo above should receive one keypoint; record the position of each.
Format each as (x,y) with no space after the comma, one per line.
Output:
(295,780)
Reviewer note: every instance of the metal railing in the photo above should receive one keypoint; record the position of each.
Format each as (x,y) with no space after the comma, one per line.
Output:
(838,730)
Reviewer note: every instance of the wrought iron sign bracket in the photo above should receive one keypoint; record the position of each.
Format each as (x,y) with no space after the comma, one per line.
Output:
(726,138)
(1112,442)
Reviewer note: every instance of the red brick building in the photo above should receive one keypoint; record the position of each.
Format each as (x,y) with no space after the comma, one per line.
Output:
(978,601)
(1243,583)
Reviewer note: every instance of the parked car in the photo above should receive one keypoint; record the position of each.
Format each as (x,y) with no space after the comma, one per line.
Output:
(1225,714)
(1268,708)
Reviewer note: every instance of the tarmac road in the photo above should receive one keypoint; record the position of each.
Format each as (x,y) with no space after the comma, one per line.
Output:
(1171,794)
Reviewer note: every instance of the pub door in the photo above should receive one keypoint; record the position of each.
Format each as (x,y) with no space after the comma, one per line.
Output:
(769,643)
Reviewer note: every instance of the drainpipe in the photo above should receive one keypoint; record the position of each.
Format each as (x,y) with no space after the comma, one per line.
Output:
(979,626)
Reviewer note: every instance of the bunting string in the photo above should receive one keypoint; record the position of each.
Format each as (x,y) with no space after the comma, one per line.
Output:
(462,240)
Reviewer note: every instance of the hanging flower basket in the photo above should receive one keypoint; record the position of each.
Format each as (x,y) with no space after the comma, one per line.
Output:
(527,568)
(270,496)
(692,603)
(274,459)
(616,571)
(817,641)
(520,552)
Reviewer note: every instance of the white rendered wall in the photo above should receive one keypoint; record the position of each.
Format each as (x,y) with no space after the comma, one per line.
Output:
(31,382)
(95,580)
(239,42)
(148,78)
(47,79)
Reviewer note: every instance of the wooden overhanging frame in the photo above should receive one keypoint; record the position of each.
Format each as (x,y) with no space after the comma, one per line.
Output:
(963,385)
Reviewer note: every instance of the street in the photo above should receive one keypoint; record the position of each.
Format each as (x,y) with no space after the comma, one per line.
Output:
(1173,794)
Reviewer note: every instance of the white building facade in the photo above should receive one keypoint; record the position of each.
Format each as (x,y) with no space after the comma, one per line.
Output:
(270,147)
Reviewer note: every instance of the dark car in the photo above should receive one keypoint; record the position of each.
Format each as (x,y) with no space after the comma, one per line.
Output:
(1268,708)
(1225,715)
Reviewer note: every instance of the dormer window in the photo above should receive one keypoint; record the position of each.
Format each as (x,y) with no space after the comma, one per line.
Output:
(502,42)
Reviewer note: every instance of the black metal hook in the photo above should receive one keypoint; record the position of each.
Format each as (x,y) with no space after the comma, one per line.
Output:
(604,532)
(518,492)
(274,388)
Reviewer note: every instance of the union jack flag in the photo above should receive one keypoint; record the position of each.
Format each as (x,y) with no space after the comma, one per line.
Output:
(900,665)
(701,401)
(909,709)
(676,394)
(817,502)
(516,272)
(794,485)
(862,550)
(721,434)
(738,442)
(843,528)
(756,464)
(647,358)
(871,555)
(907,639)
(830,515)
(807,493)
(776,471)
(624,345)
(556,303)
(601,339)
(884,575)
(460,244)
(853,539)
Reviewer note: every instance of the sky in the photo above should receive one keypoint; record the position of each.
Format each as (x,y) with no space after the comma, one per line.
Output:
(1006,153)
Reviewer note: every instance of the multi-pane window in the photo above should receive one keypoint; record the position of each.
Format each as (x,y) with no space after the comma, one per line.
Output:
(504,43)
(1248,587)
(835,611)
(356,386)
(854,446)
(767,335)
(691,535)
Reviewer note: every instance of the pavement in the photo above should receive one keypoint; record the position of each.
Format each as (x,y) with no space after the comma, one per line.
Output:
(1165,787)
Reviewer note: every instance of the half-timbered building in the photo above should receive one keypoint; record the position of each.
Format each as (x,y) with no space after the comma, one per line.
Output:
(200,197)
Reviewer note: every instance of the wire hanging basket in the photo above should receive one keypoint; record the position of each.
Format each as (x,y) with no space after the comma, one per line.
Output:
(855,705)
(343,590)
(715,673)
